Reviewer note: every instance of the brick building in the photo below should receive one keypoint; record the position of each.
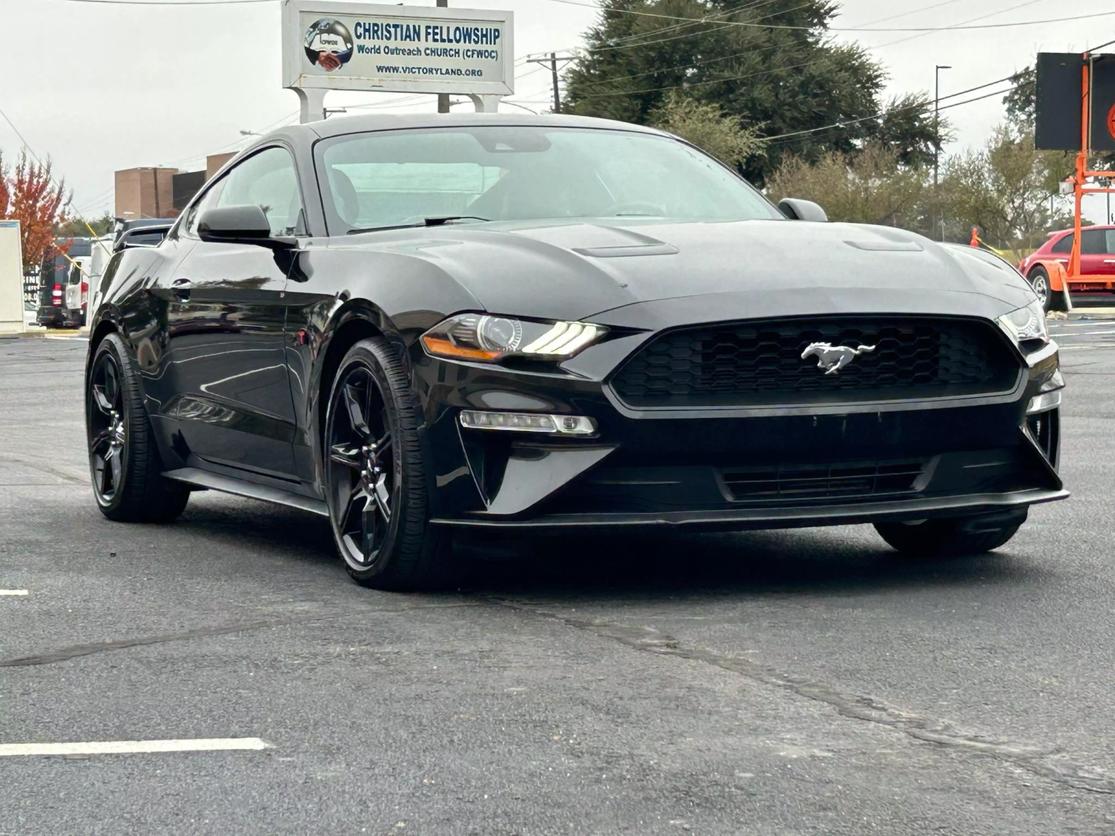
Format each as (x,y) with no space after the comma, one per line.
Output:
(159,192)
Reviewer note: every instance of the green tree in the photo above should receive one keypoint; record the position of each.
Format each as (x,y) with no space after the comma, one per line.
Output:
(872,186)
(706,126)
(79,227)
(1004,188)
(773,81)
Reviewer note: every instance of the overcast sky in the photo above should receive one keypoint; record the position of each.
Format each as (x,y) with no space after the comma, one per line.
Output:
(103,87)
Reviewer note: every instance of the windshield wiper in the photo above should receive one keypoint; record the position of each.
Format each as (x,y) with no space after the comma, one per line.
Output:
(438,220)
(435,220)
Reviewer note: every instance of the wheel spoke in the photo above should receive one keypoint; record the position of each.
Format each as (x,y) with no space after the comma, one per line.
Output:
(100,475)
(345,454)
(112,385)
(383,445)
(98,440)
(382,498)
(355,410)
(116,465)
(371,528)
(101,399)
(355,499)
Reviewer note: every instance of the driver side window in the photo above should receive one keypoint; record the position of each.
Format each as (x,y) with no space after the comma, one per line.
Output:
(267,180)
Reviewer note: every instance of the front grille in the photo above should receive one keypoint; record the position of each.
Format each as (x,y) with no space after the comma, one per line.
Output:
(759,363)
(790,483)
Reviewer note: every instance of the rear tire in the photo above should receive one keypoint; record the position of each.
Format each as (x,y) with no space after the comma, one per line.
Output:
(375,475)
(123,459)
(1039,281)
(953,536)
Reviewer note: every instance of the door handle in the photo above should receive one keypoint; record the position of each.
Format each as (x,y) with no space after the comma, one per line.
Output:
(181,289)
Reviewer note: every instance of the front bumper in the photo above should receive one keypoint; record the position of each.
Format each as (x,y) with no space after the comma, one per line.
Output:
(726,468)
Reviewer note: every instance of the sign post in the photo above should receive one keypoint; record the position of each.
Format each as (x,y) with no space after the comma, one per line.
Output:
(331,45)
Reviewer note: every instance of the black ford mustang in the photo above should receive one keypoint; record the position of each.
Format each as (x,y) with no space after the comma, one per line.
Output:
(419,324)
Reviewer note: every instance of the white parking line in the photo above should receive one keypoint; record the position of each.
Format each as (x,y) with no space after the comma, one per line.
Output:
(13,592)
(131,747)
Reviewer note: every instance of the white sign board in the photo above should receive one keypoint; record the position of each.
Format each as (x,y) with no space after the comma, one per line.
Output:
(361,46)
(11,279)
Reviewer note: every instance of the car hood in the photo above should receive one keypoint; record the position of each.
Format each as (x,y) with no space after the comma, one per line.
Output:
(581,270)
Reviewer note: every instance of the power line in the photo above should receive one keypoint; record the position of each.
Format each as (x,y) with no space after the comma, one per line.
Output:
(919,106)
(853,28)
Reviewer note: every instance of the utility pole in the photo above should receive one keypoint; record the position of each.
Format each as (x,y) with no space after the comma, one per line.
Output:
(552,61)
(938,223)
(557,89)
(442,98)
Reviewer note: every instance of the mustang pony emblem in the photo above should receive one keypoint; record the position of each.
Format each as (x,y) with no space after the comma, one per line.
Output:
(832,358)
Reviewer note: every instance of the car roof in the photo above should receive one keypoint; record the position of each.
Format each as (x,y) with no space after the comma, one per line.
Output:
(338,126)
(1086,226)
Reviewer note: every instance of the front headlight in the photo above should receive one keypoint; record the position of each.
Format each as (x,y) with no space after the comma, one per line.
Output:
(1026,323)
(489,339)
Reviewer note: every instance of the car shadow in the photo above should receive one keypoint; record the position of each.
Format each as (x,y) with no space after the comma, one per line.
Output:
(642,565)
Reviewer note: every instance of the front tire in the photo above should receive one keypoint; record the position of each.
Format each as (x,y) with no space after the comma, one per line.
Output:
(123,459)
(375,475)
(1039,281)
(952,536)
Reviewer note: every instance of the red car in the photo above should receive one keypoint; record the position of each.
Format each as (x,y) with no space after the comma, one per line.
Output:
(1097,262)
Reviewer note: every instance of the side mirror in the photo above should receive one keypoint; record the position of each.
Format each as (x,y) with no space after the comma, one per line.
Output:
(232,224)
(797,209)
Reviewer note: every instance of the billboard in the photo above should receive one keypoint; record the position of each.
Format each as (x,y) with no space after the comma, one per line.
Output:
(361,46)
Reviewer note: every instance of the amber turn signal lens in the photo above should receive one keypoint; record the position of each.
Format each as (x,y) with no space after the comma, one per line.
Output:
(444,348)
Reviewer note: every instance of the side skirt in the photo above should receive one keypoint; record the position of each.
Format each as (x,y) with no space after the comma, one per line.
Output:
(211,481)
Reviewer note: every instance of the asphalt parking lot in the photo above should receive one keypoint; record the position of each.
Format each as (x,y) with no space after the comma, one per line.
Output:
(778,682)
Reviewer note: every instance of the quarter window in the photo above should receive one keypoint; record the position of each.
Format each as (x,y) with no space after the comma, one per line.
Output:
(1064,245)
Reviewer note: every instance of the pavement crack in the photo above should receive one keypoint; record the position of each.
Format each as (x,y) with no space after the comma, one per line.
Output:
(34,464)
(1046,762)
(76,651)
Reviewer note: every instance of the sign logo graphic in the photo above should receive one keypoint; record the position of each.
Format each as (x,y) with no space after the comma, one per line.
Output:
(328,44)
(832,358)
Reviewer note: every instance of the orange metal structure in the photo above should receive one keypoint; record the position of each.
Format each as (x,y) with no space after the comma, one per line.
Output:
(1081,187)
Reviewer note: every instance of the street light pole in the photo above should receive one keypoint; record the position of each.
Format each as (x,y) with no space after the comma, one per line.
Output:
(938,223)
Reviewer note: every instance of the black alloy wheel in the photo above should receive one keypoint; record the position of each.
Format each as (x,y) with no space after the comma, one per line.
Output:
(361,469)
(107,431)
(374,475)
(124,462)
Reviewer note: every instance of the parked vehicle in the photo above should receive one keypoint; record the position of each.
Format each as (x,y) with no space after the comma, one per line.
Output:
(77,288)
(101,252)
(54,277)
(418,325)
(1097,262)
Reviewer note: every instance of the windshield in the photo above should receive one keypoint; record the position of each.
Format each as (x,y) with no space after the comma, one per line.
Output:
(512,173)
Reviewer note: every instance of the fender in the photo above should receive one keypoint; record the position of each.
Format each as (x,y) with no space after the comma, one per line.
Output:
(1058,276)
